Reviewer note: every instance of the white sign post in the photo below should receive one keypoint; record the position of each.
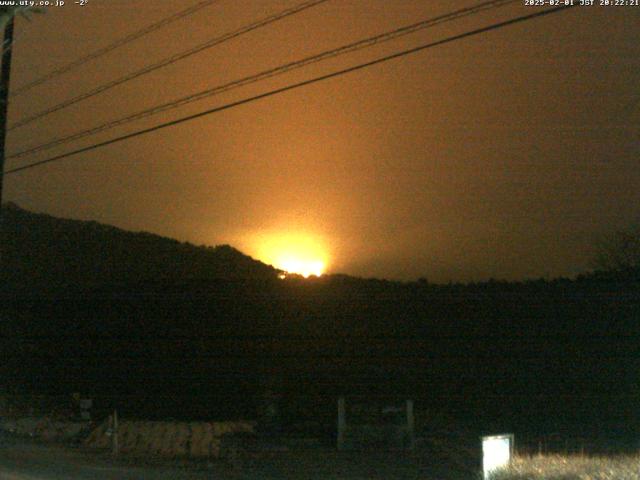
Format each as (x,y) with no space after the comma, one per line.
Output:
(496,453)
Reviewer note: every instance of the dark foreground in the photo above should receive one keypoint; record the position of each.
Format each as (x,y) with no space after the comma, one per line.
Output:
(29,461)
(20,460)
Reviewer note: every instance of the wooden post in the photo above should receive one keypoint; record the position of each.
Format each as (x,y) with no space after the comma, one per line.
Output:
(410,425)
(116,446)
(342,423)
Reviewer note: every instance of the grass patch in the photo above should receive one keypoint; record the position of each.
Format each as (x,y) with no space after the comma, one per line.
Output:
(573,467)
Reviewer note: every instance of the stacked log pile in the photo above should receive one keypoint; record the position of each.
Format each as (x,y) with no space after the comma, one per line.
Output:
(168,439)
(44,428)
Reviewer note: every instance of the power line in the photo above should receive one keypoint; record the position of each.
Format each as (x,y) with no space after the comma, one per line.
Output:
(118,43)
(349,48)
(172,59)
(297,85)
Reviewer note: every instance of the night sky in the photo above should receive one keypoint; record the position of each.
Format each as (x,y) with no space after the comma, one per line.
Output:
(504,155)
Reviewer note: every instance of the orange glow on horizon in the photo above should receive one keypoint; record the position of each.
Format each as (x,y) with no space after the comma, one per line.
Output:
(306,268)
(294,253)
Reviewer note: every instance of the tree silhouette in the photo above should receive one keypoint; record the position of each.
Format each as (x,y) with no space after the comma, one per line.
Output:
(619,251)
(7,13)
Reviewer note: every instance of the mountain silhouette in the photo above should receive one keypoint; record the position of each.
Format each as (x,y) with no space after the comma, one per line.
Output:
(45,251)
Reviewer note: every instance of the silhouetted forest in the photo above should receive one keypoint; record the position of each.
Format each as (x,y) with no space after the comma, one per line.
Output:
(162,328)
(40,251)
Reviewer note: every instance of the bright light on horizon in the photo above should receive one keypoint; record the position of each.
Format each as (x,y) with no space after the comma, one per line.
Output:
(295,253)
(306,268)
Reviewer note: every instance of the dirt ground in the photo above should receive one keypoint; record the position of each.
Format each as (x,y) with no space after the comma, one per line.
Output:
(21,460)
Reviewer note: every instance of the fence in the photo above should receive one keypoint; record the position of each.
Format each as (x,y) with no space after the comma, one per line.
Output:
(375,426)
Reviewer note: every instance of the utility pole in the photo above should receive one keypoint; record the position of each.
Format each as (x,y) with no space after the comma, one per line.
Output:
(4,108)
(4,94)
(114,432)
